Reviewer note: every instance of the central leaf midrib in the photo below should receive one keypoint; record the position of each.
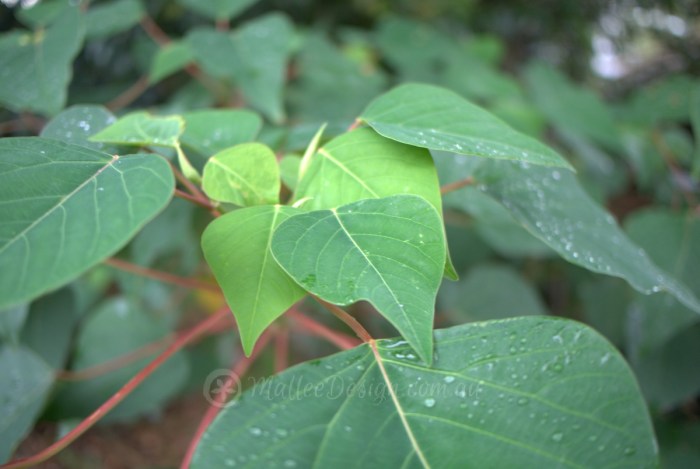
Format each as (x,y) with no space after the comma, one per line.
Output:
(268,246)
(352,240)
(323,152)
(61,202)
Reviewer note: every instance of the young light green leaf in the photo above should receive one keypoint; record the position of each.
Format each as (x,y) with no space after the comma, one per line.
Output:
(143,129)
(435,118)
(169,59)
(56,228)
(552,205)
(576,400)
(38,65)
(388,251)
(310,151)
(244,175)
(218,9)
(26,381)
(107,19)
(237,248)
(289,170)
(213,130)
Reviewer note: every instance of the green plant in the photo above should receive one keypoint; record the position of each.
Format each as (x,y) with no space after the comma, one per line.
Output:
(356,218)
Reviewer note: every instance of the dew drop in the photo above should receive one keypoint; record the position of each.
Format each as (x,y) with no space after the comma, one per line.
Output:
(523,401)
(429,402)
(630,450)
(255,431)
(449,379)
(290,463)
(557,437)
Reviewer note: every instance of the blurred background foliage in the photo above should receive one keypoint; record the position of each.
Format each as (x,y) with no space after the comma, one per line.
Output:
(613,85)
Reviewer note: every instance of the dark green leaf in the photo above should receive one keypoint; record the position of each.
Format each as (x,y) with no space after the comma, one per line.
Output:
(213,130)
(78,123)
(528,393)
(169,59)
(26,381)
(107,19)
(11,322)
(218,9)
(55,228)
(438,119)
(38,65)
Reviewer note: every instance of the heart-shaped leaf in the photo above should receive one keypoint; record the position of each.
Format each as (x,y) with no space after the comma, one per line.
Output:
(530,392)
(388,251)
(55,228)
(244,175)
(438,119)
(361,165)
(237,248)
(169,59)
(218,9)
(213,130)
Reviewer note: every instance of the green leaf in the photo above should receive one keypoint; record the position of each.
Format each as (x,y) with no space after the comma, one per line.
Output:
(42,14)
(528,393)
(438,119)
(237,248)
(142,129)
(244,175)
(389,251)
(262,48)
(11,322)
(218,9)
(556,97)
(55,228)
(38,64)
(50,326)
(169,59)
(107,19)
(77,124)
(480,295)
(289,170)
(116,328)
(362,164)
(551,205)
(213,130)
(26,381)
(695,121)
(214,51)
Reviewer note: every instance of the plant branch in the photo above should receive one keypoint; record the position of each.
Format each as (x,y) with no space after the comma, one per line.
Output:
(356,123)
(182,340)
(238,370)
(453,186)
(129,95)
(198,196)
(193,199)
(341,314)
(336,338)
(162,276)
(154,32)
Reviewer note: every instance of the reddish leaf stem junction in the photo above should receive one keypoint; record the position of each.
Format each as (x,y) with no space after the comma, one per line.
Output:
(341,314)
(336,338)
(182,340)
(239,369)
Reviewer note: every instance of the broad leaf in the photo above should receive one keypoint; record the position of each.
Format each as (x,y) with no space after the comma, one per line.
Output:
(695,121)
(218,9)
(237,248)
(38,65)
(552,205)
(361,165)
(214,51)
(528,393)
(289,170)
(107,19)
(169,59)
(262,47)
(26,381)
(213,130)
(244,175)
(389,251)
(77,124)
(11,322)
(56,228)
(116,328)
(142,129)
(438,119)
